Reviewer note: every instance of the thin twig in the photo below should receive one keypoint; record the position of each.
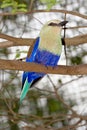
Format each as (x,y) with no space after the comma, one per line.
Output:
(41,11)
(59,98)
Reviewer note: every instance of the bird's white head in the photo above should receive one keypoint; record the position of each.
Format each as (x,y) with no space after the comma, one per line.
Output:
(52,26)
(50,36)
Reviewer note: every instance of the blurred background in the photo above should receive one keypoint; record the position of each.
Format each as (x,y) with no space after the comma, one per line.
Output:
(51,102)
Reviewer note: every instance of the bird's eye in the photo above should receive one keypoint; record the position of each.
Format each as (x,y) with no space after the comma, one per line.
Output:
(52,24)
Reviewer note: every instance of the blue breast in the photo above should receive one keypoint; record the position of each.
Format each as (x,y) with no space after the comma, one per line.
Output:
(46,58)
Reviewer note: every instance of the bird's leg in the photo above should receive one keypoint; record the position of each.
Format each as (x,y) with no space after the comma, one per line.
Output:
(21,59)
(46,66)
(53,67)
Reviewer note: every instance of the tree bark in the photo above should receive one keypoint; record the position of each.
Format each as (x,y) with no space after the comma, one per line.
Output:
(13,41)
(60,69)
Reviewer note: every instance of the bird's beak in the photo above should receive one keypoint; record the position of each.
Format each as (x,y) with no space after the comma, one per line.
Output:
(63,23)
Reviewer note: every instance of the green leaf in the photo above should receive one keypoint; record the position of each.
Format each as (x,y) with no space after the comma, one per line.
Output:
(22,10)
(15,6)
(49,3)
(55,106)
(17,55)
(76,60)
(22,6)
(6,5)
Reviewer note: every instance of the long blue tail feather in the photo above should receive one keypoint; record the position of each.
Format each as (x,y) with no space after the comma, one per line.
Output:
(25,90)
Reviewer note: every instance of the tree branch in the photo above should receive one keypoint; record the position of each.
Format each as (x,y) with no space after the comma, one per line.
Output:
(60,69)
(15,41)
(41,11)
(77,40)
(12,41)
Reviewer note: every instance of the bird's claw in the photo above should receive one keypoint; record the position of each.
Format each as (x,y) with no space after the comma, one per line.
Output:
(46,66)
(53,67)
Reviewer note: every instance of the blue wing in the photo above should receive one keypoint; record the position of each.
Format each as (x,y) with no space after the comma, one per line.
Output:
(28,77)
(32,56)
(30,59)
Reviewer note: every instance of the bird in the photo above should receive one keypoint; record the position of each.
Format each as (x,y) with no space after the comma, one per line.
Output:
(46,51)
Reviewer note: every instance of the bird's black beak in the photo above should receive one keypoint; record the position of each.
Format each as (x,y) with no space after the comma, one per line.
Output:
(63,23)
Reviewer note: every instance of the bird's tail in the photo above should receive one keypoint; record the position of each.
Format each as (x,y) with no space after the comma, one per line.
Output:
(25,90)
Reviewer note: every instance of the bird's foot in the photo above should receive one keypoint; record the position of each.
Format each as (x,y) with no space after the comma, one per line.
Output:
(53,67)
(46,66)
